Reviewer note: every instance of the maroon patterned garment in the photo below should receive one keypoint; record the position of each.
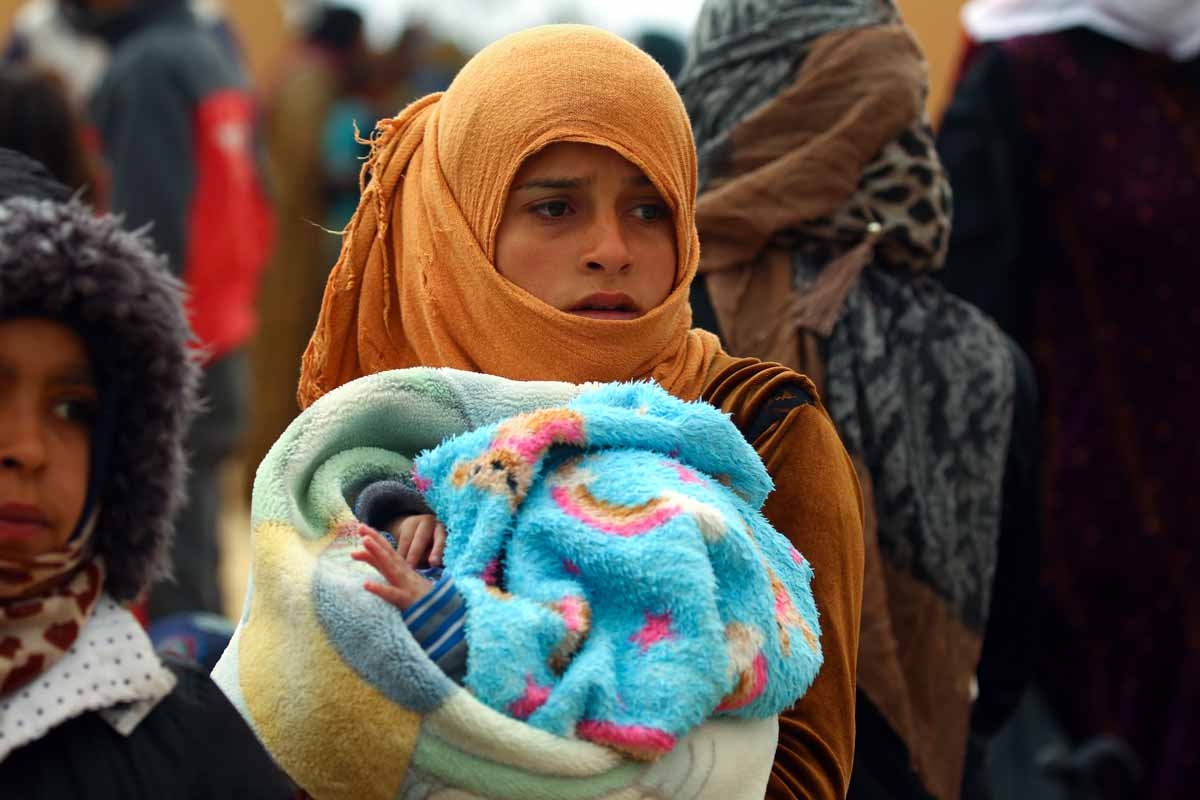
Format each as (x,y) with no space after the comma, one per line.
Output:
(1092,216)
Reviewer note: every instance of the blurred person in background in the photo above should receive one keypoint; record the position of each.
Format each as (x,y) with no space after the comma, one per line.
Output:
(665,48)
(432,61)
(44,40)
(43,37)
(361,99)
(823,211)
(1073,143)
(37,119)
(401,69)
(309,80)
(175,121)
(375,86)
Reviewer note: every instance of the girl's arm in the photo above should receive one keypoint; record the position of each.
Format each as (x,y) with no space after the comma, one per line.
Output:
(817,505)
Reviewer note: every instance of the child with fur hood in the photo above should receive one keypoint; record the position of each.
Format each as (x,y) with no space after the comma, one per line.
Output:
(96,390)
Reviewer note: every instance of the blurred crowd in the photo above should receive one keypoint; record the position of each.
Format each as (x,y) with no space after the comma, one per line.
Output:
(1030,625)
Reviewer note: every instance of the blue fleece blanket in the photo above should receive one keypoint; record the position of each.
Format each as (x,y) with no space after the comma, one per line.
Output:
(621,583)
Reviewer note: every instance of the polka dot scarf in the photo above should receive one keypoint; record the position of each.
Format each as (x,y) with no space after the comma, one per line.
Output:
(44,603)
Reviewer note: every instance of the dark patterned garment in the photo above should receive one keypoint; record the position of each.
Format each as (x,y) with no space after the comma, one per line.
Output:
(1075,162)
(921,384)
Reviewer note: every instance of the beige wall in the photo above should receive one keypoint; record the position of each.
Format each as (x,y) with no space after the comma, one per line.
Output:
(936,25)
(259,23)
(7,7)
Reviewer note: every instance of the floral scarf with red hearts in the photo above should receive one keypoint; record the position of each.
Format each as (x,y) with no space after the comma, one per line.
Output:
(44,603)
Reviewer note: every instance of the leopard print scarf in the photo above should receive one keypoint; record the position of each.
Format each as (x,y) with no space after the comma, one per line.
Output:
(837,131)
(44,603)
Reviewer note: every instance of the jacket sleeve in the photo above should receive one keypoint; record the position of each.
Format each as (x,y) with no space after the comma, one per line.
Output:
(818,506)
(438,621)
(177,124)
(235,764)
(989,160)
(381,503)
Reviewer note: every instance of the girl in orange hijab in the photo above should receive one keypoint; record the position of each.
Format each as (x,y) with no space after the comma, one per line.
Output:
(536,222)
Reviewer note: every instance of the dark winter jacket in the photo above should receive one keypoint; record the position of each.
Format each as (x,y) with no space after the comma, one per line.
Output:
(193,745)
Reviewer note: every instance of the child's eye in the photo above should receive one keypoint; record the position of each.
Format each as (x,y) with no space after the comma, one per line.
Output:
(552,209)
(75,409)
(651,212)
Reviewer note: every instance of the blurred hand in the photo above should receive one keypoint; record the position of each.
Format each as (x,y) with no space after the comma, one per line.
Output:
(404,585)
(420,540)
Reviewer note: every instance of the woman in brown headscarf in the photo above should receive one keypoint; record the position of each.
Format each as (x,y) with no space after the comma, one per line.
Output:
(824,210)
(518,225)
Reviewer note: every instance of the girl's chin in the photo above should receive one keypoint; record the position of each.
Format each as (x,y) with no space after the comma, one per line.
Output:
(605,314)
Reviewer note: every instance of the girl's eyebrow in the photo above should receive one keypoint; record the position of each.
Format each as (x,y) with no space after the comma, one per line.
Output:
(555,183)
(71,376)
(80,375)
(574,183)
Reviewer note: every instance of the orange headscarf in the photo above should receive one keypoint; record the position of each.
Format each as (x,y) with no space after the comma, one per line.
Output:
(415,284)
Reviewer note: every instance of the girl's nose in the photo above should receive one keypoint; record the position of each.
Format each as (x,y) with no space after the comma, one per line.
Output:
(608,250)
(22,438)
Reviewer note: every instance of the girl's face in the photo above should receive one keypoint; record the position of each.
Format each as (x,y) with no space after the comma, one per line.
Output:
(48,399)
(585,231)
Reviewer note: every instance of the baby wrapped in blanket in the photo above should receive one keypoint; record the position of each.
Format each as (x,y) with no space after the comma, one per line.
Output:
(608,573)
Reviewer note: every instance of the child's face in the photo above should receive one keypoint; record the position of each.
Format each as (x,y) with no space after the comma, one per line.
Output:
(47,401)
(585,231)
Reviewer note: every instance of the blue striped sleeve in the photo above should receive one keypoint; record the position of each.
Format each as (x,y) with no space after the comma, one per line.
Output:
(437,621)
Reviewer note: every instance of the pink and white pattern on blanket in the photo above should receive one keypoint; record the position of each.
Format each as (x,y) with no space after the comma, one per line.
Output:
(507,466)
(572,494)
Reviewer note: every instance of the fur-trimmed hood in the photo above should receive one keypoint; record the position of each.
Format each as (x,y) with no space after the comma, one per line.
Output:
(59,260)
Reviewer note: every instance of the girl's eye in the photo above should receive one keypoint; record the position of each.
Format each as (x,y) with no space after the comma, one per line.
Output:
(552,209)
(651,212)
(78,410)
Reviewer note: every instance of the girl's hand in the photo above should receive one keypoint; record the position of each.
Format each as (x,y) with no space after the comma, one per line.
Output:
(404,586)
(420,540)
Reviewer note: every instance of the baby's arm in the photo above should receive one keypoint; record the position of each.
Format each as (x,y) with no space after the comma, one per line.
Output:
(433,612)
(405,586)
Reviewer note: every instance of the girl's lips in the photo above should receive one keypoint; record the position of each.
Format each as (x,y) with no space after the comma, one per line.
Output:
(20,530)
(21,520)
(22,513)
(606,305)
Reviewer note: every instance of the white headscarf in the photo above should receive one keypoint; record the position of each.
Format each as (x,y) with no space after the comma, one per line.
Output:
(1170,27)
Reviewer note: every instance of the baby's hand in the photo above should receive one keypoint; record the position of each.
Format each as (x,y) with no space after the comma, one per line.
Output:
(420,539)
(404,586)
